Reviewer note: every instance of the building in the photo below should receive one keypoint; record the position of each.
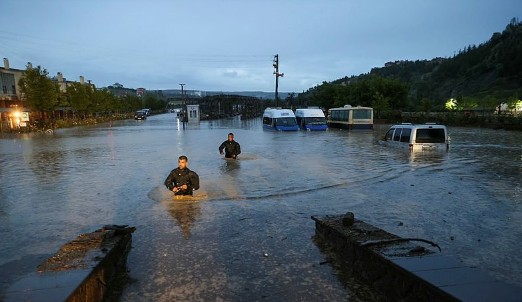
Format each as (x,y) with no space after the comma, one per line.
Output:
(13,110)
(63,83)
(193,113)
(10,95)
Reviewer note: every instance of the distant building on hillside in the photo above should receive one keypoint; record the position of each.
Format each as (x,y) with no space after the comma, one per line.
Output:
(118,90)
(63,83)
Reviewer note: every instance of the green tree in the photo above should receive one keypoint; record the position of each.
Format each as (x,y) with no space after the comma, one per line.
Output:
(106,102)
(426,105)
(467,103)
(79,97)
(40,92)
(131,103)
(290,100)
(152,101)
(380,103)
(489,103)
(324,95)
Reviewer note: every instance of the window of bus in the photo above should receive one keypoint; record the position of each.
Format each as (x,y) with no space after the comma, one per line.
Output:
(285,121)
(314,120)
(362,114)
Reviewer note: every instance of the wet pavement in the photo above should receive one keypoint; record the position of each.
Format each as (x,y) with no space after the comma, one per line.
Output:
(247,234)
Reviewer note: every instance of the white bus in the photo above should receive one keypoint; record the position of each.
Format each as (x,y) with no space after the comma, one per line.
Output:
(279,119)
(311,119)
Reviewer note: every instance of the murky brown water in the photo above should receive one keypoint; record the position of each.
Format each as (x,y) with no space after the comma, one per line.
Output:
(248,233)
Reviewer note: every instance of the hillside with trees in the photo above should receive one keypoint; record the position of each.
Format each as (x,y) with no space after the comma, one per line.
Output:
(480,76)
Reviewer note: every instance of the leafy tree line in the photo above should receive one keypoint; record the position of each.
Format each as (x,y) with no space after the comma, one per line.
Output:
(476,77)
(378,92)
(43,95)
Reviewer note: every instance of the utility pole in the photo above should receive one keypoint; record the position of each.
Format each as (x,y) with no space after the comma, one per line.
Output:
(182,96)
(277,75)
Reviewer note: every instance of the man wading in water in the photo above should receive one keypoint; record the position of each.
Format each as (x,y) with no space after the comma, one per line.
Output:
(232,148)
(181,180)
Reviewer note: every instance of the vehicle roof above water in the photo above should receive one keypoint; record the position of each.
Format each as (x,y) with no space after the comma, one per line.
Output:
(419,126)
(309,112)
(349,107)
(278,112)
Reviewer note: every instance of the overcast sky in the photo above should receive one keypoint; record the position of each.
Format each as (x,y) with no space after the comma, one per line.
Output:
(229,45)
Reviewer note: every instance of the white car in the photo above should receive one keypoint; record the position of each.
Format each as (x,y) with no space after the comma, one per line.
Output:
(417,137)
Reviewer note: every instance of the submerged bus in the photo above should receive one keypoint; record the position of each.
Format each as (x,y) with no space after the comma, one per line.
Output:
(351,118)
(311,119)
(279,119)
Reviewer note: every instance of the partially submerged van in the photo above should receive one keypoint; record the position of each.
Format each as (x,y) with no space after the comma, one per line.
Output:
(417,137)
(311,119)
(279,119)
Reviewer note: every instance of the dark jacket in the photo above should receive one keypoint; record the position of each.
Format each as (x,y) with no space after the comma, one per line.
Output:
(232,148)
(178,177)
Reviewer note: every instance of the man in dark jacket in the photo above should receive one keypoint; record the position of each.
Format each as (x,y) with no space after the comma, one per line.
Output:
(181,180)
(231,147)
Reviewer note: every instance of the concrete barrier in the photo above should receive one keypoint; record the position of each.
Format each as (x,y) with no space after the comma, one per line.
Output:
(407,269)
(81,270)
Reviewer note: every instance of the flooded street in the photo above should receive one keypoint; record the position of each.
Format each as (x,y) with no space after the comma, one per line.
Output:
(247,234)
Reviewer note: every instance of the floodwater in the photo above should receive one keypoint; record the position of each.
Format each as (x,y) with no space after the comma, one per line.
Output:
(247,233)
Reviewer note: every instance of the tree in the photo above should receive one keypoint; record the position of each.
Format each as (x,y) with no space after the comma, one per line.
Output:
(290,100)
(105,101)
(426,105)
(152,101)
(380,104)
(40,92)
(323,95)
(131,103)
(78,97)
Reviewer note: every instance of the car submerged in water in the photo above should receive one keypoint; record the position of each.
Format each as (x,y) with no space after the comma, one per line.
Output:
(417,137)
(140,115)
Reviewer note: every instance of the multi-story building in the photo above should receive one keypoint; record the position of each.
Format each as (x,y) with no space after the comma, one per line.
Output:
(10,95)
(11,101)
(13,111)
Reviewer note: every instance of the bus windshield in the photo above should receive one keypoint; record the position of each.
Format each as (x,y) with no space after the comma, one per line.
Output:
(286,121)
(315,120)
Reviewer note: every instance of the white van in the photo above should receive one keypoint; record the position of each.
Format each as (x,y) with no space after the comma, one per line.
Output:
(311,119)
(279,119)
(417,137)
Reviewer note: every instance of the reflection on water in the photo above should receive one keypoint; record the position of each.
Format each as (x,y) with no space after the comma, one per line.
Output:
(186,213)
(467,200)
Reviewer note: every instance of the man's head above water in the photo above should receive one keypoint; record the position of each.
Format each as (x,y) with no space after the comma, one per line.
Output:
(182,162)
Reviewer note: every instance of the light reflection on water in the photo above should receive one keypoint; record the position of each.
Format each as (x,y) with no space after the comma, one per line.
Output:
(212,246)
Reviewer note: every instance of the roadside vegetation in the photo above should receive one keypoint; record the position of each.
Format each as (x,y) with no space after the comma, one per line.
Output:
(478,85)
(79,103)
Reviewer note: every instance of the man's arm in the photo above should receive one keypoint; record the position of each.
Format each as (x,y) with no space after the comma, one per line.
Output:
(238,148)
(194,180)
(221,147)
(169,181)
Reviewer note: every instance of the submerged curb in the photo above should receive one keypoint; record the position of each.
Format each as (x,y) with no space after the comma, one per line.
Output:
(81,270)
(407,269)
